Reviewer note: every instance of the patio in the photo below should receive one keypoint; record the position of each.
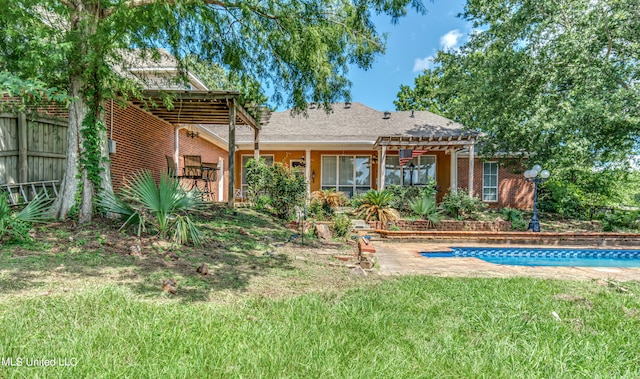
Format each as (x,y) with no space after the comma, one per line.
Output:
(403,258)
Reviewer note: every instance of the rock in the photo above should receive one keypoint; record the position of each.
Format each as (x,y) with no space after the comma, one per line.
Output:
(358,271)
(322,231)
(134,250)
(170,285)
(366,264)
(202,269)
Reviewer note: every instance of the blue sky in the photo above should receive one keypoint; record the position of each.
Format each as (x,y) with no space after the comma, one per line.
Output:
(411,44)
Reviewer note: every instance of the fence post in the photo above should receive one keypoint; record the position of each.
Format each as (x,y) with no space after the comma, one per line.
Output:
(23,166)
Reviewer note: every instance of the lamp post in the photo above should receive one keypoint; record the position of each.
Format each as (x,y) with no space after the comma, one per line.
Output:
(538,176)
(411,168)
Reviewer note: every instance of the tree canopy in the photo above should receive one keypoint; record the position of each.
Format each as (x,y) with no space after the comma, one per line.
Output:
(301,48)
(556,79)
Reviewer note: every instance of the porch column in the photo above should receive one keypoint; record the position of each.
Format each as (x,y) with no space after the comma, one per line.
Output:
(232,153)
(453,187)
(471,154)
(176,146)
(382,158)
(221,180)
(307,171)
(256,144)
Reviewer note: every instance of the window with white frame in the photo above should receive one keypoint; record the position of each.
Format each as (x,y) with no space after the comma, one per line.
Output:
(490,181)
(349,174)
(424,170)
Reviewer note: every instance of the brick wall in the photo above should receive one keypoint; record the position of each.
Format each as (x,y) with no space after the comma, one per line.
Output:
(210,153)
(513,190)
(450,225)
(143,142)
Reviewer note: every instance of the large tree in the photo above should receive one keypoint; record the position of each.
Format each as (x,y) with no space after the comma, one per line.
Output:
(301,48)
(557,79)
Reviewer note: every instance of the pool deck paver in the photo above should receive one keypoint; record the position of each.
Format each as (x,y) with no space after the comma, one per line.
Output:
(403,258)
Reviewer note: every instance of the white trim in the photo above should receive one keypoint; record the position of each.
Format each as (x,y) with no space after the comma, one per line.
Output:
(497,182)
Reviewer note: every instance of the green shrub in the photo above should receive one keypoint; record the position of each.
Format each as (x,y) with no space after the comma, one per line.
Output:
(461,205)
(426,208)
(278,185)
(619,220)
(259,176)
(341,225)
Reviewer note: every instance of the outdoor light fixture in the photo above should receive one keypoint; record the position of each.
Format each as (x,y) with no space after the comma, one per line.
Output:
(411,168)
(313,176)
(538,176)
(374,159)
(192,133)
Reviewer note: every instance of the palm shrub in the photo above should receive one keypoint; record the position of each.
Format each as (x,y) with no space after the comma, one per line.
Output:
(376,206)
(403,196)
(461,205)
(329,199)
(426,208)
(165,206)
(515,217)
(16,225)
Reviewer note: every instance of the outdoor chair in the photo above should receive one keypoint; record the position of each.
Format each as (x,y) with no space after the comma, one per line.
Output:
(171,166)
(193,166)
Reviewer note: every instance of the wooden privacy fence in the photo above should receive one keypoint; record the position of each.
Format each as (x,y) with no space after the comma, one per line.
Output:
(32,150)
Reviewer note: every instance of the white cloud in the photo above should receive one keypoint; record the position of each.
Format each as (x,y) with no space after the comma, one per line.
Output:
(450,40)
(421,64)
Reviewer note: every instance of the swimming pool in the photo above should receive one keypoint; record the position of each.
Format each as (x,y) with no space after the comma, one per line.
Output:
(521,256)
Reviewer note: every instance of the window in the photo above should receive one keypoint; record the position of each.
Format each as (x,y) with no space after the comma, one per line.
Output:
(348,174)
(423,172)
(490,181)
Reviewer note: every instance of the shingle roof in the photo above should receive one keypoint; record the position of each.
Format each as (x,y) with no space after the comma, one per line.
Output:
(356,123)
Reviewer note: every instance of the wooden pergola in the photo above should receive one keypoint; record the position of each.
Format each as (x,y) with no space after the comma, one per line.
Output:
(181,107)
(451,144)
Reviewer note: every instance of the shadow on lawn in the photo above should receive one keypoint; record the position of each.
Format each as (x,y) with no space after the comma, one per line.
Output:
(233,258)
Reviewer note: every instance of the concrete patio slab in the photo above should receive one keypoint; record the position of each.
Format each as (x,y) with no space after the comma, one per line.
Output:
(403,258)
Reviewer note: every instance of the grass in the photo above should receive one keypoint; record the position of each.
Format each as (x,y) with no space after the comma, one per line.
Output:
(405,328)
(78,293)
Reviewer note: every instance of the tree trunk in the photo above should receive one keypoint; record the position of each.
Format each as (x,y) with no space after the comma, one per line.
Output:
(105,163)
(69,188)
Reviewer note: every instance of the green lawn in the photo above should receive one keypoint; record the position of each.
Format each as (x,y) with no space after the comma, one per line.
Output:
(413,327)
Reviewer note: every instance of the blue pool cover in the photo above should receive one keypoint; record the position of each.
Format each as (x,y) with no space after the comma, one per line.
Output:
(519,256)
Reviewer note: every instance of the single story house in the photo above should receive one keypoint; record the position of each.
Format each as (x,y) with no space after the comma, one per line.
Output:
(352,148)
